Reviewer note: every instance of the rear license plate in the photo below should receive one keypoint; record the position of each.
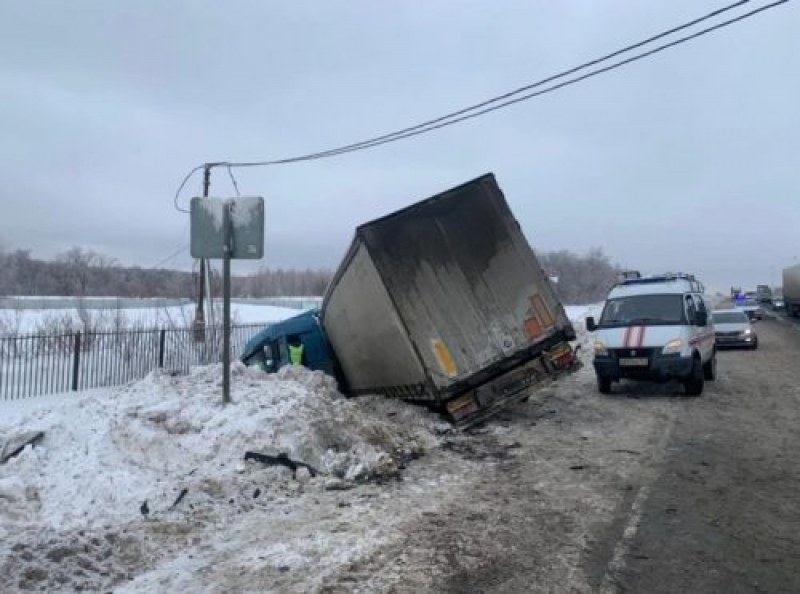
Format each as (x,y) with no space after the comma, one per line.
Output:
(634,362)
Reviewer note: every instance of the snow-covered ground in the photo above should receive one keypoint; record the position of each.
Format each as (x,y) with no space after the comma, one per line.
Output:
(97,504)
(27,321)
(107,452)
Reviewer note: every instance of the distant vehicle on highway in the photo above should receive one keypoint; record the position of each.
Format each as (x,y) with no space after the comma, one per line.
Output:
(732,328)
(752,308)
(791,290)
(777,303)
(763,294)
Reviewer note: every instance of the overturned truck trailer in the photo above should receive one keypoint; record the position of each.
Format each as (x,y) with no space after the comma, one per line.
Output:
(445,303)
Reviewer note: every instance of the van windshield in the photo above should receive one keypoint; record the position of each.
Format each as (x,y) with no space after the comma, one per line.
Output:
(644,309)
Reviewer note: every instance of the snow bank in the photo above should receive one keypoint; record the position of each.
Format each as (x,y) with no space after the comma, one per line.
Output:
(107,452)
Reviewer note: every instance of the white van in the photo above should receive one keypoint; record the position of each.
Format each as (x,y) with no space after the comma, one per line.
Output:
(655,328)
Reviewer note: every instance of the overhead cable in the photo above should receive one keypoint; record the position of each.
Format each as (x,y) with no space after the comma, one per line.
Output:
(511,97)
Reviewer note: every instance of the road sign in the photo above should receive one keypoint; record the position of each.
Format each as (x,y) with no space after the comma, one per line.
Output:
(246,230)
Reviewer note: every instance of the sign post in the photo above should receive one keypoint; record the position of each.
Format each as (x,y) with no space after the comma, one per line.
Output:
(226,302)
(227,229)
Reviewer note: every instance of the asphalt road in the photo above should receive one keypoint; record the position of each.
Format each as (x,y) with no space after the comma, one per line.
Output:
(723,514)
(644,490)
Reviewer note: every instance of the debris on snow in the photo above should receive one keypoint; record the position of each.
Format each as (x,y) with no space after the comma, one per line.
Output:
(17,442)
(281,459)
(182,494)
(337,484)
(106,452)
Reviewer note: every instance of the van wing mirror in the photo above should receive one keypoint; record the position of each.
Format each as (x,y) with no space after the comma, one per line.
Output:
(701,318)
(591,325)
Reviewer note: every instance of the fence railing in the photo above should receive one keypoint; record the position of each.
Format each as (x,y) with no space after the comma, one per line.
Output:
(46,364)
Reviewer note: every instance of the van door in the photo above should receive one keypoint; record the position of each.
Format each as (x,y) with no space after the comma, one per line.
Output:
(698,334)
(707,332)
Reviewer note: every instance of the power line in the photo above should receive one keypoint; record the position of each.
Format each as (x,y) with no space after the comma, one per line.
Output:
(173,255)
(448,120)
(544,91)
(505,100)
(233,181)
(180,188)
(544,81)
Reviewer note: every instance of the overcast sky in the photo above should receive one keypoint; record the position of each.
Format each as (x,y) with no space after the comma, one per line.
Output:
(685,161)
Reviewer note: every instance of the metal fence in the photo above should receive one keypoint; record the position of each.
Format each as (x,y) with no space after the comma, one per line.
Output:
(46,364)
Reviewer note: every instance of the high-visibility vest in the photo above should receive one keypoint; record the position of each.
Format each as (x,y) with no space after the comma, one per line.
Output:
(296,354)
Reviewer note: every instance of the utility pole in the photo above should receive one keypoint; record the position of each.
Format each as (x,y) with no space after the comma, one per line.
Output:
(199,314)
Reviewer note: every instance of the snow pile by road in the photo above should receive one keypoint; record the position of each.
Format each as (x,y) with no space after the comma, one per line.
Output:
(105,453)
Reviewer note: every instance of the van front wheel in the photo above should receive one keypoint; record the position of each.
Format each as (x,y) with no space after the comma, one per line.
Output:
(694,384)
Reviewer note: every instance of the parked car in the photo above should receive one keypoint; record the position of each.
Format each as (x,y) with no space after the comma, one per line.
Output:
(732,328)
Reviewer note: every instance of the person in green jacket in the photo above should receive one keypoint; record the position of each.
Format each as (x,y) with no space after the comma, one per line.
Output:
(295,351)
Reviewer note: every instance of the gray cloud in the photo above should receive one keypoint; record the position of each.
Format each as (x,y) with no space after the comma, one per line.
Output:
(685,161)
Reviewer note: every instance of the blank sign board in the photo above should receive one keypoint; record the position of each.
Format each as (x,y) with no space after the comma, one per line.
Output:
(246,227)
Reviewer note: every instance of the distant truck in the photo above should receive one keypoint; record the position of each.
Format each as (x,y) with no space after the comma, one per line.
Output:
(442,303)
(763,294)
(791,290)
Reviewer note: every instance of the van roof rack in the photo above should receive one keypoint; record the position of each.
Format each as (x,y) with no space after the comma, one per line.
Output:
(660,278)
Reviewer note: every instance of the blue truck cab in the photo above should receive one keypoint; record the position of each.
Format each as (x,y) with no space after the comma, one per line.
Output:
(269,349)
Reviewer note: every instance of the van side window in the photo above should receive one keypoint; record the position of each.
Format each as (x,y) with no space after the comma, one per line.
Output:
(701,304)
(691,310)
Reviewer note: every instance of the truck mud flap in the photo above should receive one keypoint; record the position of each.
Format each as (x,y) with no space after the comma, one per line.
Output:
(510,388)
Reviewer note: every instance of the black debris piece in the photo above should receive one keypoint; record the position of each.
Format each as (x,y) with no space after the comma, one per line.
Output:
(256,493)
(281,459)
(144,508)
(182,494)
(624,451)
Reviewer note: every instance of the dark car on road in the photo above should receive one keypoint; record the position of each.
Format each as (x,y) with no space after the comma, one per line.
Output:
(732,328)
(752,308)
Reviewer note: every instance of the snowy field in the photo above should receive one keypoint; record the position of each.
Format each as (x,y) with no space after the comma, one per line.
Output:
(14,322)
(145,487)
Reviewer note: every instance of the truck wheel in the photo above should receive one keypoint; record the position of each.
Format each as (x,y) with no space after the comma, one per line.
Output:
(604,384)
(695,382)
(710,368)
(754,346)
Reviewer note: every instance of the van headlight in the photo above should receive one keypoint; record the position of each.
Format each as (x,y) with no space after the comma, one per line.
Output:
(600,348)
(673,346)
(747,332)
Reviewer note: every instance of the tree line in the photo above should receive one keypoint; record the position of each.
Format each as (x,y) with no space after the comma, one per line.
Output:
(80,272)
(581,279)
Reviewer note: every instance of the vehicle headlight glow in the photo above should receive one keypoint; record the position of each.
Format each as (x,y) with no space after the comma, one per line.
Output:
(600,348)
(673,346)
(747,331)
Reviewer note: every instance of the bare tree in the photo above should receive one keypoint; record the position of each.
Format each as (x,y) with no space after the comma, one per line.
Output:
(581,278)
